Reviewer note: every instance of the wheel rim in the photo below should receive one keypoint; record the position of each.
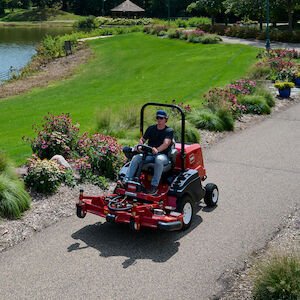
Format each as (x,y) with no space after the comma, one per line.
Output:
(187,213)
(215,196)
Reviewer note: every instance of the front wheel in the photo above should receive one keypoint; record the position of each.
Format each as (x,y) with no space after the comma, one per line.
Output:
(211,195)
(80,212)
(186,207)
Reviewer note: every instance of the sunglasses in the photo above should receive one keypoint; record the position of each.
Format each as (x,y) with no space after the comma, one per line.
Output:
(160,118)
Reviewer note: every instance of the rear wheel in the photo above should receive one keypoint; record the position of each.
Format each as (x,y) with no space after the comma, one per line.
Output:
(211,195)
(186,207)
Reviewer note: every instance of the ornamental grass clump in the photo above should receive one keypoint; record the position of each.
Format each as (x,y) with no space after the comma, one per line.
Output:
(206,119)
(191,135)
(267,95)
(14,200)
(278,278)
(255,104)
(56,135)
(45,176)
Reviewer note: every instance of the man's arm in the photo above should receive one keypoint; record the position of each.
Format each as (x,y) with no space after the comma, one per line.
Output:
(167,142)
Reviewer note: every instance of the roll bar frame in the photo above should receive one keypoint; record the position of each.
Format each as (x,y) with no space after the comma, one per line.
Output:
(182,153)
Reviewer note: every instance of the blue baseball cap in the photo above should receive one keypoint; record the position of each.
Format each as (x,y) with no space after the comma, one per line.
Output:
(161,113)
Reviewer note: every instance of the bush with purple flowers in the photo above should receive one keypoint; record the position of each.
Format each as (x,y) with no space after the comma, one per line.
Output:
(56,135)
(103,155)
(242,87)
(224,99)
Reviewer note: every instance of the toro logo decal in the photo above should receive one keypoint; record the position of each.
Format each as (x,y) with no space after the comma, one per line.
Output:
(192,159)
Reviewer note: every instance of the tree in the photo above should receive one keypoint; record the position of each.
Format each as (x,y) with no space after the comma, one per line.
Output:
(2,6)
(211,7)
(246,9)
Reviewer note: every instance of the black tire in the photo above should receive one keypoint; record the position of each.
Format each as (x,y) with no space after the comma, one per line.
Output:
(185,206)
(79,212)
(211,197)
(134,226)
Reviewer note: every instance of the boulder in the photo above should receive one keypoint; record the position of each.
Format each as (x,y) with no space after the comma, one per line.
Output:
(61,160)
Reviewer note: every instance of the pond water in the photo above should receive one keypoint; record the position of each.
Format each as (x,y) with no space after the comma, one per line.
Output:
(17,46)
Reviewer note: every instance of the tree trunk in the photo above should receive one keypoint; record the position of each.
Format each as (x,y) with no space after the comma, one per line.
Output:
(291,23)
(260,15)
(290,14)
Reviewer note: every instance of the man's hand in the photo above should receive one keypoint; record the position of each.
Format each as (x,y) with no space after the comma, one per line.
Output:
(154,150)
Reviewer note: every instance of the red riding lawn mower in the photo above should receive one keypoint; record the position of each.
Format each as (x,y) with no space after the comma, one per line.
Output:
(180,189)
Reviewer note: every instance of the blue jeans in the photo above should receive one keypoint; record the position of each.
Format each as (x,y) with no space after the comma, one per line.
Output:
(159,160)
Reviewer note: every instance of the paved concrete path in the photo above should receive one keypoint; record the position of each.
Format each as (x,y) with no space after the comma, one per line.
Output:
(260,44)
(258,173)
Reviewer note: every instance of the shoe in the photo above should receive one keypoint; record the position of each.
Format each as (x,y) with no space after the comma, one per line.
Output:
(121,184)
(152,191)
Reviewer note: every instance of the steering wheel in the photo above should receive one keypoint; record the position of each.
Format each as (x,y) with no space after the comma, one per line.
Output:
(144,148)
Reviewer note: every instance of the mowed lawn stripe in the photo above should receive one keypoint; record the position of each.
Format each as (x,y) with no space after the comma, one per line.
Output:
(126,70)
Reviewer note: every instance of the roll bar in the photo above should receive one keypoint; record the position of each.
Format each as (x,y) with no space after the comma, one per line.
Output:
(182,154)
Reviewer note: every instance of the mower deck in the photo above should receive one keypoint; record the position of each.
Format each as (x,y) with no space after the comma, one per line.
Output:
(144,210)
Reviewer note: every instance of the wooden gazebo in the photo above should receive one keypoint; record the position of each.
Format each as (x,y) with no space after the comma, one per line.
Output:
(127,9)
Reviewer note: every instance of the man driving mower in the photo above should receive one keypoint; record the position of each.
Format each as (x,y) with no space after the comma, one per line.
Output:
(160,138)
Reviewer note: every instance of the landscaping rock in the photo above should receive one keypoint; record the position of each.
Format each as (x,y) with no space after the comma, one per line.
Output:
(61,161)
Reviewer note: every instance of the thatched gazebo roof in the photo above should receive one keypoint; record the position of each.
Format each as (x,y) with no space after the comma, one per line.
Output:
(127,6)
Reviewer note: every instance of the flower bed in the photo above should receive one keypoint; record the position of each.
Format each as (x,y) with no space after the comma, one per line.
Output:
(94,156)
(192,36)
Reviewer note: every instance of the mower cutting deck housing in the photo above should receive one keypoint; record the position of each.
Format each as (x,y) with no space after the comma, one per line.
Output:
(172,207)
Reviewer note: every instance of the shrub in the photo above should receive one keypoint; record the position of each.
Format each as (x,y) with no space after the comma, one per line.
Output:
(255,104)
(286,74)
(50,47)
(162,33)
(156,29)
(242,87)
(14,200)
(242,32)
(44,176)
(57,135)
(173,33)
(123,21)
(103,154)
(198,21)
(218,98)
(281,53)
(210,39)
(267,95)
(278,278)
(192,135)
(206,119)
(284,85)
(87,23)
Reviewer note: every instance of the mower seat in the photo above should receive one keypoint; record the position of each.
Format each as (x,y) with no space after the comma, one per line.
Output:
(167,167)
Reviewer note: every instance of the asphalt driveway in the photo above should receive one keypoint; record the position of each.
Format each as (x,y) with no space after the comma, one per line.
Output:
(258,174)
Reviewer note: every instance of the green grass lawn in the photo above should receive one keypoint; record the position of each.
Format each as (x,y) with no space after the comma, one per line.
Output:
(46,15)
(127,70)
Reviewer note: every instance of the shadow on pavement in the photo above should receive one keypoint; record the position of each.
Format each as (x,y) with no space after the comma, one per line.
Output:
(118,240)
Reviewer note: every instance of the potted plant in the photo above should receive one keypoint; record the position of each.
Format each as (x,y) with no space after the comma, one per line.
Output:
(284,88)
(297,79)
